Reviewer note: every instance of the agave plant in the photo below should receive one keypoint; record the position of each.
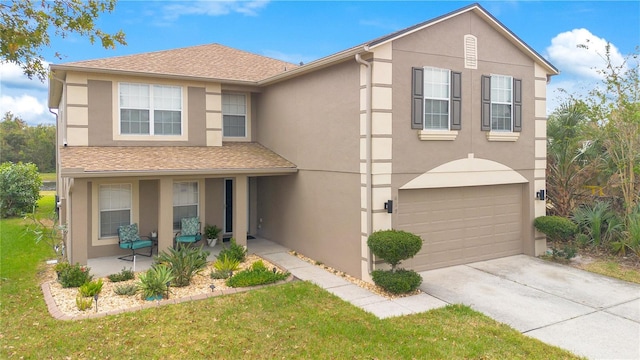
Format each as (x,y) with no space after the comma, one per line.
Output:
(153,283)
(184,262)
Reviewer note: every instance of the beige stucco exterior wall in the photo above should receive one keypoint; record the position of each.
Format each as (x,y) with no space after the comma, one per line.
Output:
(442,45)
(313,121)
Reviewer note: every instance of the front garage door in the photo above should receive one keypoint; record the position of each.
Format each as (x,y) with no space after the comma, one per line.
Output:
(462,225)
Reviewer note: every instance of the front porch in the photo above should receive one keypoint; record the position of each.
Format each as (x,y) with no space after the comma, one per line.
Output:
(107,265)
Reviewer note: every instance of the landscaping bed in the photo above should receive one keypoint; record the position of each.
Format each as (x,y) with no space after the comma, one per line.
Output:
(110,302)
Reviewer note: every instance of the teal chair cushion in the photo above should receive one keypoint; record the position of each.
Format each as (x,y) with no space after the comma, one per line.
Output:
(129,238)
(188,238)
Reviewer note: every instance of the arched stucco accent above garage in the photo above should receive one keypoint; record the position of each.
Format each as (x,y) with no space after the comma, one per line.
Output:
(466,172)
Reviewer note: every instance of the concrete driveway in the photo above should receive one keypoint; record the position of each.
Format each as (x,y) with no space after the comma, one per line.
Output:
(588,314)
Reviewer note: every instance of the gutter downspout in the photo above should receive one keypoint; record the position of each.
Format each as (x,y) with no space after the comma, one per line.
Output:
(368,170)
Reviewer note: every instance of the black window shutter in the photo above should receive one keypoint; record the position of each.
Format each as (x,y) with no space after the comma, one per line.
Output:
(486,103)
(456,100)
(417,98)
(517,105)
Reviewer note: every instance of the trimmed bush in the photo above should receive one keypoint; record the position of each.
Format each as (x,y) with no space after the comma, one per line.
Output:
(397,282)
(393,246)
(123,275)
(557,228)
(254,277)
(234,251)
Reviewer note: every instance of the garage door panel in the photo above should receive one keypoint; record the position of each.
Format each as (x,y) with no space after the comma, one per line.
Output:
(462,225)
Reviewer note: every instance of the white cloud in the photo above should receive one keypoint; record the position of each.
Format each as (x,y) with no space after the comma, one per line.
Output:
(26,107)
(579,52)
(13,76)
(214,8)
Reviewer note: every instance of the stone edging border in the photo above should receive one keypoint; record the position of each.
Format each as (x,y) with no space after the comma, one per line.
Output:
(59,315)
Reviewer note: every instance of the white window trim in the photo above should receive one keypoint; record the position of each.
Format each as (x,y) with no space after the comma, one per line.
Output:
(447,99)
(96,240)
(437,135)
(500,133)
(504,136)
(117,135)
(247,118)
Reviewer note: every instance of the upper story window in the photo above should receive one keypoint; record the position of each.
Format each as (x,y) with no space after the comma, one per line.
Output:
(234,115)
(436,102)
(501,102)
(115,208)
(150,109)
(436,98)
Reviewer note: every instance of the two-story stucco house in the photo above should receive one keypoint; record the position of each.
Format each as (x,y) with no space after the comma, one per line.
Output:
(438,129)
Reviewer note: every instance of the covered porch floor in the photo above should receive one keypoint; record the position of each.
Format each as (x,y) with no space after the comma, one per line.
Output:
(104,266)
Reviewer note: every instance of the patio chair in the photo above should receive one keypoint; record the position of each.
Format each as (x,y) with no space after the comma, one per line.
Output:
(128,238)
(189,231)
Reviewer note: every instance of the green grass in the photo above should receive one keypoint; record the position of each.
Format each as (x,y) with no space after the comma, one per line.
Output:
(294,320)
(48,176)
(613,269)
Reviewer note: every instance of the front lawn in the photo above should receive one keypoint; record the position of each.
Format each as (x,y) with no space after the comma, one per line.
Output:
(294,320)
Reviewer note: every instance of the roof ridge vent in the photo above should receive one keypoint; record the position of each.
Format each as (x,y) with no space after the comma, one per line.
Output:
(470,52)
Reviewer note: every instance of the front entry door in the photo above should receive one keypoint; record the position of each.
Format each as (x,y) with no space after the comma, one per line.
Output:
(228,205)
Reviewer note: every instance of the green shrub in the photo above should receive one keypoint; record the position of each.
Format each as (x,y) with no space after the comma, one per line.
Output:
(124,275)
(224,266)
(258,266)
(566,252)
(74,276)
(234,251)
(154,281)
(557,228)
(126,289)
(91,288)
(184,262)
(19,188)
(83,303)
(400,281)
(254,277)
(599,222)
(393,246)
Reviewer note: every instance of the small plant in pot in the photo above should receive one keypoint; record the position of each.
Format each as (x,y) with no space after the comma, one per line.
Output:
(211,232)
(153,283)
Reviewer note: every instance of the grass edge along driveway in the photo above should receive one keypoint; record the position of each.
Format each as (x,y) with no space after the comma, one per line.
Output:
(294,320)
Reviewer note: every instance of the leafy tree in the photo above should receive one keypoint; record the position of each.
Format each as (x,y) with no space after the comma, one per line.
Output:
(29,144)
(570,156)
(26,25)
(19,188)
(616,113)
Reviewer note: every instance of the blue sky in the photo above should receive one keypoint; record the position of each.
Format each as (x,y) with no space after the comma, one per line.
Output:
(304,31)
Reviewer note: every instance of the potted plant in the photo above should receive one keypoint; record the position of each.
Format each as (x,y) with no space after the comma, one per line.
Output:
(154,283)
(211,232)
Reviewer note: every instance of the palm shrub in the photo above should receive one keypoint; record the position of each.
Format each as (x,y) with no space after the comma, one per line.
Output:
(224,266)
(631,236)
(393,246)
(184,262)
(153,282)
(598,222)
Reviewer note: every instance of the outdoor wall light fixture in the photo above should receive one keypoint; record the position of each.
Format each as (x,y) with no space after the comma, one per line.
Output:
(389,206)
(540,195)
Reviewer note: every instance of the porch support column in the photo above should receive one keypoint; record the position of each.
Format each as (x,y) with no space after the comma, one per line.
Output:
(240,225)
(165,214)
(79,235)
